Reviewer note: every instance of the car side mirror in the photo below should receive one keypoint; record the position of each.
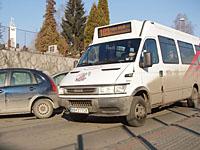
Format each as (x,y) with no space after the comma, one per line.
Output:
(147,60)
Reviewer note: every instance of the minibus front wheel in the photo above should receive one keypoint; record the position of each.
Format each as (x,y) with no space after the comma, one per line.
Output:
(138,112)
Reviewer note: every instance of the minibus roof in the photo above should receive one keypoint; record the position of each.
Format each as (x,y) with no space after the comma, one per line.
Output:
(138,29)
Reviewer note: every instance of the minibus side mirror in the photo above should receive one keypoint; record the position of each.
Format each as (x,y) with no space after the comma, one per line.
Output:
(147,60)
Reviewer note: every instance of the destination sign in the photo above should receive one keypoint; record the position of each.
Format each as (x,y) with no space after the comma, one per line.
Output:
(114,30)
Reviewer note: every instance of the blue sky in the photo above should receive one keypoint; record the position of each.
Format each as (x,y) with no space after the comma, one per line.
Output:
(28,14)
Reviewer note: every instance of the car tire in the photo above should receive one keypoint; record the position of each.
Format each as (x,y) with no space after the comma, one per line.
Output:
(42,108)
(138,112)
(194,101)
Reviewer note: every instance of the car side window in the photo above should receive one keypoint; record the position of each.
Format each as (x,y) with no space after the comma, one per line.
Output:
(168,50)
(38,78)
(2,78)
(21,78)
(150,46)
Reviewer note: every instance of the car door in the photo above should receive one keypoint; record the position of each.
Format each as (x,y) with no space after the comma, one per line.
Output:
(3,75)
(151,76)
(21,90)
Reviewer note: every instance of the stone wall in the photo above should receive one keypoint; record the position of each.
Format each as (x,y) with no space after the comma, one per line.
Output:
(46,62)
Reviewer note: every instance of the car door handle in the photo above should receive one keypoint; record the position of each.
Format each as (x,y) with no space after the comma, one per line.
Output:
(1,91)
(32,88)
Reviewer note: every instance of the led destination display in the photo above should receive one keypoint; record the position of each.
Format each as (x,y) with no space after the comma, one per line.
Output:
(114,30)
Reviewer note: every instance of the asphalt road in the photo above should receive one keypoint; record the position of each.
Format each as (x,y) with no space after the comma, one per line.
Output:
(171,128)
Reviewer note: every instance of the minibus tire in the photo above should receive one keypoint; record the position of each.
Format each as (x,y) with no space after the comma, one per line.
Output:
(138,112)
(193,101)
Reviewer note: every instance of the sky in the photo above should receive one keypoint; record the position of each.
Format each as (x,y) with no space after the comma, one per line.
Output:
(28,14)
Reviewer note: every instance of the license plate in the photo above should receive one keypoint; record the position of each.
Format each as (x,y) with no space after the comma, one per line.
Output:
(79,110)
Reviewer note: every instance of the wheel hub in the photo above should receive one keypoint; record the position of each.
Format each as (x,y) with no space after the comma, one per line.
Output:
(140,111)
(43,108)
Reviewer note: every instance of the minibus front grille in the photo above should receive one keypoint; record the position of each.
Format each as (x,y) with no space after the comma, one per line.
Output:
(80,103)
(81,91)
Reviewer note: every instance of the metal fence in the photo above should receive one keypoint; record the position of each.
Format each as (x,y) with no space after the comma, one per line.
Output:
(24,39)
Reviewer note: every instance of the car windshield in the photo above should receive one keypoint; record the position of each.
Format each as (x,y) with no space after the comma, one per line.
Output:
(110,52)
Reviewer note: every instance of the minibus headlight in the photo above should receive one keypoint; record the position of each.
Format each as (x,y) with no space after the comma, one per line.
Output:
(119,89)
(62,91)
(106,90)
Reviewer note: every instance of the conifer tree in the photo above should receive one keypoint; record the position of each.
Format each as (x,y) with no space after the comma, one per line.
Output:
(73,25)
(48,34)
(92,22)
(104,11)
(99,16)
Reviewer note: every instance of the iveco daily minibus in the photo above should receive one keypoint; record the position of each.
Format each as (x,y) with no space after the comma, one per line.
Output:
(130,68)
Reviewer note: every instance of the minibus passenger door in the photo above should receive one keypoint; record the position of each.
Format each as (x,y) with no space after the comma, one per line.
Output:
(171,71)
(152,75)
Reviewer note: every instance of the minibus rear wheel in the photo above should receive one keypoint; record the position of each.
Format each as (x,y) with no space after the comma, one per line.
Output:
(138,112)
(193,101)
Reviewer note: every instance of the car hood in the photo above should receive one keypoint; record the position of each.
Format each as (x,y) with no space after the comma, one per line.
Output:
(94,75)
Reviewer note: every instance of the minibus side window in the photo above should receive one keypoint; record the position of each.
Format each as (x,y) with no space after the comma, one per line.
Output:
(186,51)
(197,48)
(150,46)
(168,50)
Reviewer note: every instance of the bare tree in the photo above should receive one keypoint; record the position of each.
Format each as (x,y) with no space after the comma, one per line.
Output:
(59,15)
(0,32)
(182,23)
(0,27)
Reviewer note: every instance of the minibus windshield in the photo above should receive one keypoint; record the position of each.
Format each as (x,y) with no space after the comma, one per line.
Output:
(110,52)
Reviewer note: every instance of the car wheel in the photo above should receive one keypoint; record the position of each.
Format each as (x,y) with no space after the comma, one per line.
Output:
(194,101)
(42,108)
(138,112)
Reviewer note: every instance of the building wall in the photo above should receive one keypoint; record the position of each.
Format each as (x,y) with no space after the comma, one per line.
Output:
(49,63)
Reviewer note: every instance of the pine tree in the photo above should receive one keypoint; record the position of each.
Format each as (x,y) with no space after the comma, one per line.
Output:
(92,22)
(48,34)
(73,25)
(104,11)
(101,18)
(97,17)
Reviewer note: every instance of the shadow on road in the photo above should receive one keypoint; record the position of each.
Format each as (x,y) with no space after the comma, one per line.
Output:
(107,120)
(30,116)
(16,116)
(92,119)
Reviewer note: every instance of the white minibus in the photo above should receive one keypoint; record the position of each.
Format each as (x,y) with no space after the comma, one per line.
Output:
(130,68)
